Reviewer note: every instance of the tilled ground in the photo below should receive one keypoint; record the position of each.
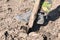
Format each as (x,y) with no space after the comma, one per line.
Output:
(11,28)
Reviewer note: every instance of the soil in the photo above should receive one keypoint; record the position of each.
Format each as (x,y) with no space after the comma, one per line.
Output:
(13,29)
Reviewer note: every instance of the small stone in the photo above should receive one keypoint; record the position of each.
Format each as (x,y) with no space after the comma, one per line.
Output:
(34,36)
(40,18)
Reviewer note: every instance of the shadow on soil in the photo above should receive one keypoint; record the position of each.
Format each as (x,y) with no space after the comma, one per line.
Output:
(52,16)
(35,25)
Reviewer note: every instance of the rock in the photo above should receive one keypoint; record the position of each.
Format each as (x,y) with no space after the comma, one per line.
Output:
(34,36)
(40,18)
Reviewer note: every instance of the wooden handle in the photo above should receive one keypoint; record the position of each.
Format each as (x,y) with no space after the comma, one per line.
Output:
(34,12)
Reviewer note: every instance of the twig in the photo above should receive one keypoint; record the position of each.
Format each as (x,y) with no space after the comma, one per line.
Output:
(34,13)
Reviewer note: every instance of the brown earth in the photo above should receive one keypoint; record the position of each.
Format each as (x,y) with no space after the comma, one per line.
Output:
(11,28)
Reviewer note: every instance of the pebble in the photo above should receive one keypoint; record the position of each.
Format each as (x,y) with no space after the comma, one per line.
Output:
(40,18)
(35,36)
